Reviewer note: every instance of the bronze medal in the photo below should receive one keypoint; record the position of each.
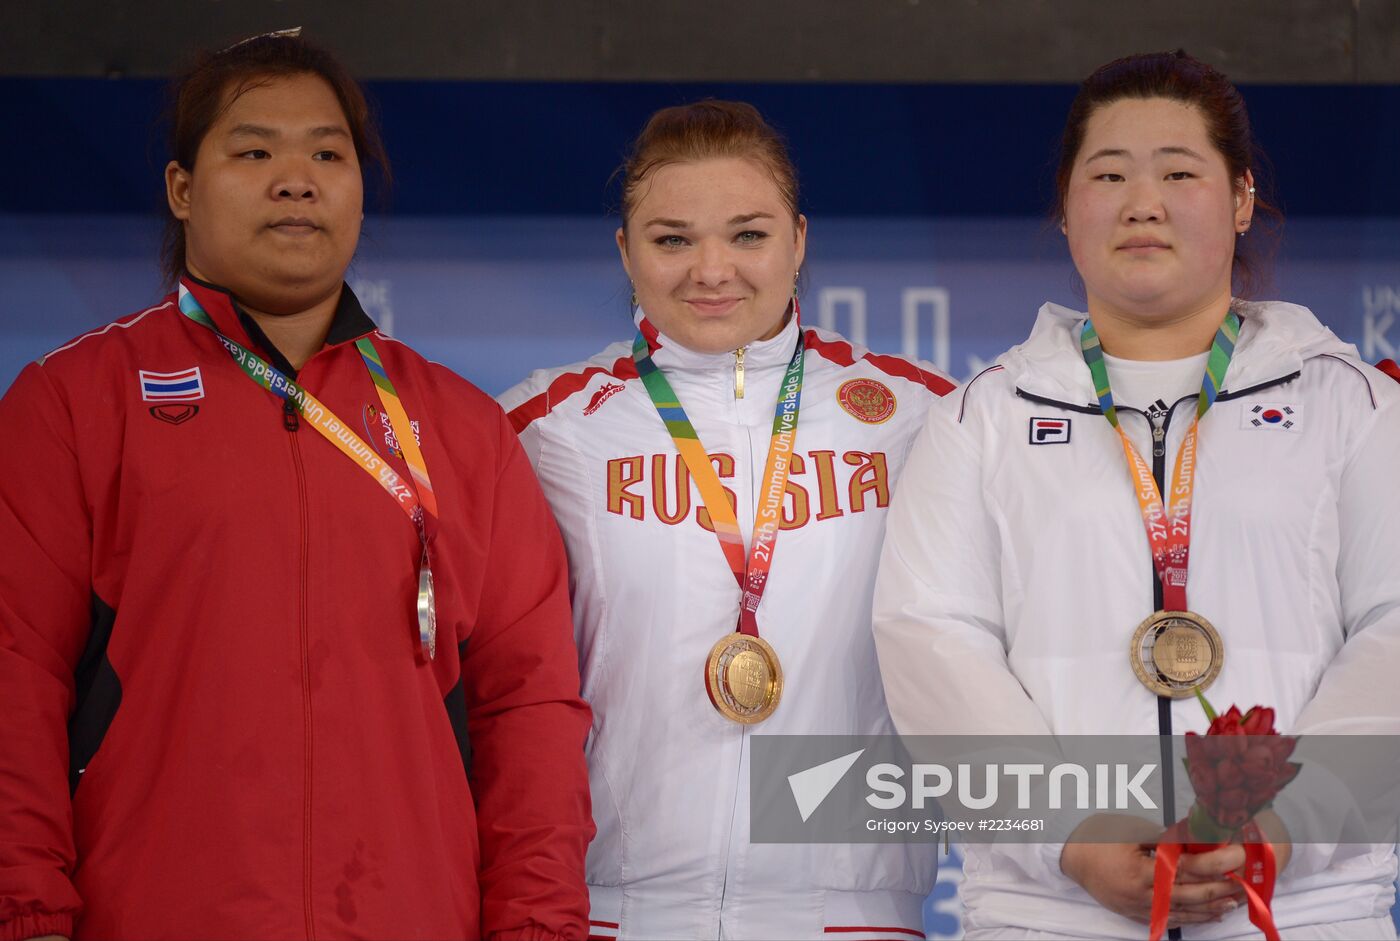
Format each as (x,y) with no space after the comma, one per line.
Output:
(1175,652)
(743,678)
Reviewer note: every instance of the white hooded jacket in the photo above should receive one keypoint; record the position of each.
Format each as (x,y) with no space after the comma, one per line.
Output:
(652,594)
(1015,571)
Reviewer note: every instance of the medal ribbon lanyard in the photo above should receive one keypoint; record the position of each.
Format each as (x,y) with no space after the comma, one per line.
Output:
(338,433)
(753,577)
(1168,528)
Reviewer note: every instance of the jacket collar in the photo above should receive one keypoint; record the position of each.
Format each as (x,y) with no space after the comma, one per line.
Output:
(1275,339)
(671,356)
(349,323)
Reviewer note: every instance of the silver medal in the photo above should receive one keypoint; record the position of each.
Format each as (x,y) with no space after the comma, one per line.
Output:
(427,611)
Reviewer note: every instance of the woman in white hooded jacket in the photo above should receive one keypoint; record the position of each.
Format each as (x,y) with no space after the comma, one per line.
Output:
(1017,563)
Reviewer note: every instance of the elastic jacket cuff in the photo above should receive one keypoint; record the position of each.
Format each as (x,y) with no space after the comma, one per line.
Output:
(37,926)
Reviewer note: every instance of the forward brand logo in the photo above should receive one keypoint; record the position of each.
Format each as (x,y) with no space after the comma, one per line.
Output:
(1272,416)
(1049,431)
(175,393)
(605,392)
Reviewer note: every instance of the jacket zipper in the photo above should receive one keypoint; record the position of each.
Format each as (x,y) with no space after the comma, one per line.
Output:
(1159,422)
(727,855)
(739,372)
(291,423)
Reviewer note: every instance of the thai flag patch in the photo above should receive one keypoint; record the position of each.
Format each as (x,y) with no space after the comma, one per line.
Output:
(1272,416)
(184,386)
(1049,431)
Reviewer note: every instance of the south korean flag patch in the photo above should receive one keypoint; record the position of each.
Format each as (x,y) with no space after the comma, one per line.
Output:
(1272,416)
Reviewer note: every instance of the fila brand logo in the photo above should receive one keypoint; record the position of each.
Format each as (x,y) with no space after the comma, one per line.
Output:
(1049,431)
(1269,416)
(184,386)
(607,391)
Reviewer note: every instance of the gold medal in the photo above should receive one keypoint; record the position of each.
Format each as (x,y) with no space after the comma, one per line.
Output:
(427,610)
(744,678)
(1174,652)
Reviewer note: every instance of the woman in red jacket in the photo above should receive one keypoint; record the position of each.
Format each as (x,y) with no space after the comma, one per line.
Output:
(279,656)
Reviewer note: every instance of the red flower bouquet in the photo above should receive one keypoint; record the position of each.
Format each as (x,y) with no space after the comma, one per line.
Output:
(1237,769)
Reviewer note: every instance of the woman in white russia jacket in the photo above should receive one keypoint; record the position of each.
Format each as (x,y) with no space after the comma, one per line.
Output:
(712,241)
(1024,627)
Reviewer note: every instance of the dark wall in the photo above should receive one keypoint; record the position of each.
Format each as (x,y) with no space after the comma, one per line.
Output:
(88,145)
(984,41)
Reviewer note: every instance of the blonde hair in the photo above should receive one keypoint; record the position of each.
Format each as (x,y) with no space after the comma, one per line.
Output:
(702,130)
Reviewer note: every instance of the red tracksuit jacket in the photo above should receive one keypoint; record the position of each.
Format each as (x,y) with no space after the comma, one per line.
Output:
(214,719)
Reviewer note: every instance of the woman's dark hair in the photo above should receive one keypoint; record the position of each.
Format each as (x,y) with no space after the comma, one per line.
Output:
(705,129)
(1177,76)
(215,80)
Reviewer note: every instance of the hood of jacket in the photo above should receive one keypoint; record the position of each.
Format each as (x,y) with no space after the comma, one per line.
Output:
(1275,339)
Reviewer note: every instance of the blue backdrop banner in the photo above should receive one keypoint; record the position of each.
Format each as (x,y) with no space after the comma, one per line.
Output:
(495,297)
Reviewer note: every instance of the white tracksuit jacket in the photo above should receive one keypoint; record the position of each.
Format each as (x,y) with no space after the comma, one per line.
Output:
(1013,576)
(652,594)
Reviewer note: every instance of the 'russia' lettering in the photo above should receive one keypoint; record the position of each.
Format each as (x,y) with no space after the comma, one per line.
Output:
(673,499)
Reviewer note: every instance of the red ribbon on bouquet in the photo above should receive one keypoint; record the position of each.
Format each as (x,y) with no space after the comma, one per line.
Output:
(1237,769)
(1257,881)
